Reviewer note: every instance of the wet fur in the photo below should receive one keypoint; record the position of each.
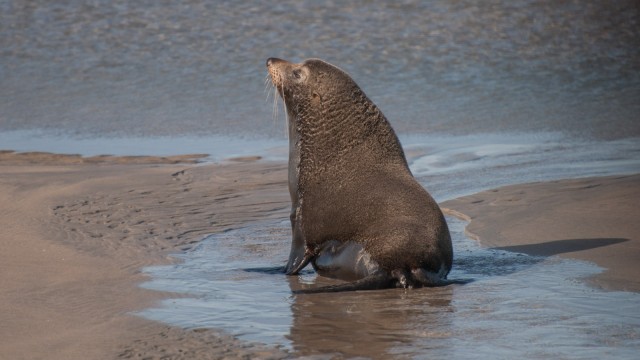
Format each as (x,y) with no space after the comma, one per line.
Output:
(349,182)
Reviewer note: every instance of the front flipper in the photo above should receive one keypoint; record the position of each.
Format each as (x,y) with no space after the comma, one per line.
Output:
(297,263)
(298,257)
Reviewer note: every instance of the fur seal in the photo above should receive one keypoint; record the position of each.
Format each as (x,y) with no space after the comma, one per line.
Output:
(357,212)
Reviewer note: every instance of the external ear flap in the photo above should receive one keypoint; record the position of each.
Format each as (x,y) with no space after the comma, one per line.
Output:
(316,99)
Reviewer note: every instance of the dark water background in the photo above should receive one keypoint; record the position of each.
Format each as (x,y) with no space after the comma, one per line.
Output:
(148,68)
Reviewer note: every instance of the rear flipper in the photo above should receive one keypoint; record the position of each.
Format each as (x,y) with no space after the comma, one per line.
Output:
(383,280)
(372,282)
(425,278)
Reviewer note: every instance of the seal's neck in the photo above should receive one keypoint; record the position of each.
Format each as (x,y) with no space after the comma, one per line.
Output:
(357,130)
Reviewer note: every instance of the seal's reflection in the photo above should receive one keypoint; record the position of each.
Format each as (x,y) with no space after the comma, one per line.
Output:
(373,324)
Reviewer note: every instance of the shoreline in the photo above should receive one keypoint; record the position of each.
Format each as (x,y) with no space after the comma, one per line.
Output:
(77,235)
(592,219)
(76,238)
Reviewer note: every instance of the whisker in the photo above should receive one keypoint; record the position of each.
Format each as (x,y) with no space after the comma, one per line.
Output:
(286,116)
(267,90)
(274,112)
(267,87)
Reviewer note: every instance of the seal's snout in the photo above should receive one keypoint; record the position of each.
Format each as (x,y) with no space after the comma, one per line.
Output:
(274,71)
(273,61)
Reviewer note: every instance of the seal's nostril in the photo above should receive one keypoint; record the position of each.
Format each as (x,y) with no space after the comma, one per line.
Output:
(271,61)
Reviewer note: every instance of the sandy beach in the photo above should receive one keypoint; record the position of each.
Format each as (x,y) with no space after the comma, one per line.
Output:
(77,232)
(76,235)
(592,219)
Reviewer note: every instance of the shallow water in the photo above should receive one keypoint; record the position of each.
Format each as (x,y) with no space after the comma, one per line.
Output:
(517,305)
(449,166)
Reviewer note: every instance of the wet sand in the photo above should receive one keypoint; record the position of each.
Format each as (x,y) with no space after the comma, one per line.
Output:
(75,238)
(592,219)
(76,235)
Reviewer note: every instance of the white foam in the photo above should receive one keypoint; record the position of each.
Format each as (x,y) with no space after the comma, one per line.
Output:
(460,165)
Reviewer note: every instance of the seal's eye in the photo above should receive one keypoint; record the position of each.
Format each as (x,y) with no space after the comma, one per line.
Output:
(297,74)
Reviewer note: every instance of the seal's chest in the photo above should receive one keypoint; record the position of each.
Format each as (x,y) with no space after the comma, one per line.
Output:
(294,167)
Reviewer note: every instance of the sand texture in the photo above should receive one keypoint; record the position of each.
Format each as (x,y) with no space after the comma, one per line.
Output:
(75,238)
(593,219)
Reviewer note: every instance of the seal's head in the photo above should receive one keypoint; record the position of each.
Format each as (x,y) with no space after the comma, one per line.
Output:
(312,83)
(326,107)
